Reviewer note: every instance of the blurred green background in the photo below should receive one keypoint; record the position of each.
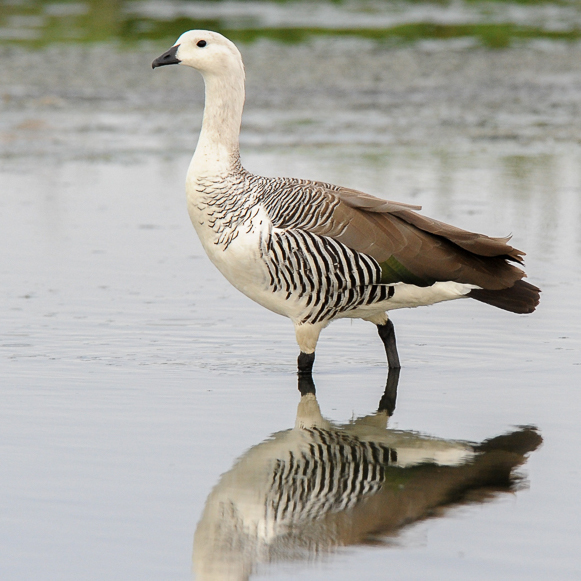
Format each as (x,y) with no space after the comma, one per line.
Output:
(493,23)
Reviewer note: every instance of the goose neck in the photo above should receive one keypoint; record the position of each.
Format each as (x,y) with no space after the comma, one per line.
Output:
(217,151)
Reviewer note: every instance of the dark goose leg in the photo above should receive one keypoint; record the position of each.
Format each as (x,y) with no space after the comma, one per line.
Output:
(387,334)
(305,363)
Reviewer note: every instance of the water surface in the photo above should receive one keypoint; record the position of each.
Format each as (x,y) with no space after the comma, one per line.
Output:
(133,376)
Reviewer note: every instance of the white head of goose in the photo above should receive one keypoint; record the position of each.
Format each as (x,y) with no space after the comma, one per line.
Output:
(313,251)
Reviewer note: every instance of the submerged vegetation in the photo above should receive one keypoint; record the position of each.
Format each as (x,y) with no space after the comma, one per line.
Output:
(489,35)
(491,23)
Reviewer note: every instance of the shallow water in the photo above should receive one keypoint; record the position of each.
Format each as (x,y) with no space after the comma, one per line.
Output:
(133,376)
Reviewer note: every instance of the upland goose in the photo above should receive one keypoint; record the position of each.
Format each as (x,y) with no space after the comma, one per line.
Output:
(316,252)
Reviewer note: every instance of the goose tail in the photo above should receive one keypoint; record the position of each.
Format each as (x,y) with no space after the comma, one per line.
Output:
(521,298)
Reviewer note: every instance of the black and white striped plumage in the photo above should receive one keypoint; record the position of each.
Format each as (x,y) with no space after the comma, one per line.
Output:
(334,279)
(314,251)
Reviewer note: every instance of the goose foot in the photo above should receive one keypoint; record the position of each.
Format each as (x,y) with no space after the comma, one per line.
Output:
(387,334)
(305,363)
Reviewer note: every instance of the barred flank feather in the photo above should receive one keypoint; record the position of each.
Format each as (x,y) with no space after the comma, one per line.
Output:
(331,277)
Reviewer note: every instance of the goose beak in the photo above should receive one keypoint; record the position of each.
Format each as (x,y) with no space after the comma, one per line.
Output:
(167,58)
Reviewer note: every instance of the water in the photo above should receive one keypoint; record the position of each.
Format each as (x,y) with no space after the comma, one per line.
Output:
(493,24)
(133,376)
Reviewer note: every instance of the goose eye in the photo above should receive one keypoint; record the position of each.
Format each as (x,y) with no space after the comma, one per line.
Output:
(202,43)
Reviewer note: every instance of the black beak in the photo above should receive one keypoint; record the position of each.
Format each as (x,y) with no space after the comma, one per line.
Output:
(167,58)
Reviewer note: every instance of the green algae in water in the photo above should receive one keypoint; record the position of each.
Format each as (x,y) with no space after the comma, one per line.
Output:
(41,23)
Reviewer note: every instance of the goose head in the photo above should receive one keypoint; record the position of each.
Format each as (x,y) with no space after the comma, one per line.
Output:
(205,51)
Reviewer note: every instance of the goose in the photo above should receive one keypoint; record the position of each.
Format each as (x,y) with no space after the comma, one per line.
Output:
(314,251)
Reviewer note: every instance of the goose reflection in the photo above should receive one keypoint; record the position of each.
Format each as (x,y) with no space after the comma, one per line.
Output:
(306,491)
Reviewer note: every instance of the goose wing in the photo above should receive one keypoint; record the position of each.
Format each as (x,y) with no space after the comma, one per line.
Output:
(479,244)
(409,247)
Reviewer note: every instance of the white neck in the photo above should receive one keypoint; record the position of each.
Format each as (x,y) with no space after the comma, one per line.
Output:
(217,151)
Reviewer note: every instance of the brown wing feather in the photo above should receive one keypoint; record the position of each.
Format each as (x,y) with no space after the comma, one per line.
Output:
(476,243)
(471,241)
(423,250)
